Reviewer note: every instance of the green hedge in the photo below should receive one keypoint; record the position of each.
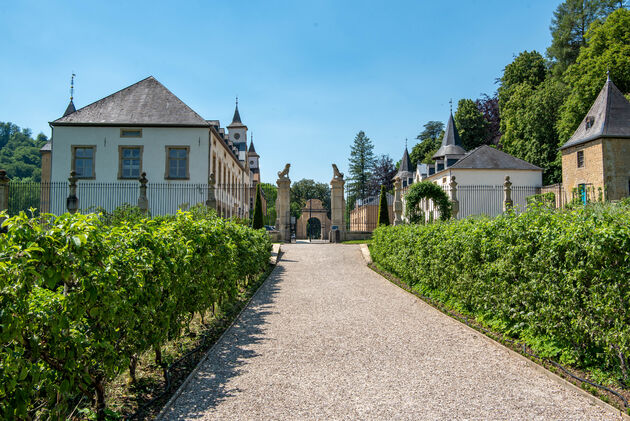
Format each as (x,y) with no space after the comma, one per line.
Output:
(559,280)
(79,298)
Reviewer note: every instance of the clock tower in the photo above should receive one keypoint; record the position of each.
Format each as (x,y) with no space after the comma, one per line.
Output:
(237,133)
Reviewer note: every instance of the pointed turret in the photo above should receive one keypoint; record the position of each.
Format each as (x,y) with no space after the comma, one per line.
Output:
(70,109)
(451,144)
(237,115)
(608,117)
(405,170)
(252,150)
(236,119)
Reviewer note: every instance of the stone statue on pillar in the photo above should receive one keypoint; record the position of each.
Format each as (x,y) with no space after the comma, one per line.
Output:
(337,204)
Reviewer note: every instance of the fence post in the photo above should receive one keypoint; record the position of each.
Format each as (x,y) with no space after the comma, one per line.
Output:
(397,202)
(211,202)
(454,201)
(507,194)
(72,202)
(4,193)
(143,202)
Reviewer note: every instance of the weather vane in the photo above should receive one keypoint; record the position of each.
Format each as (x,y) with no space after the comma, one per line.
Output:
(450,101)
(72,87)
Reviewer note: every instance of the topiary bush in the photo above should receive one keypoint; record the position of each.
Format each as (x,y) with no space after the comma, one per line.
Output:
(383,210)
(426,190)
(258,222)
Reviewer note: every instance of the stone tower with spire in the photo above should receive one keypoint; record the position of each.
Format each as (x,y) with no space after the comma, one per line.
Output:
(597,157)
(451,149)
(237,134)
(405,170)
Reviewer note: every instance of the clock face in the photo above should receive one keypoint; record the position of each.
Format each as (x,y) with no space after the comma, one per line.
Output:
(237,136)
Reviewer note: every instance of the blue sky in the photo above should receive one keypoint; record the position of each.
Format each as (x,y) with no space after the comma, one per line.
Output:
(309,75)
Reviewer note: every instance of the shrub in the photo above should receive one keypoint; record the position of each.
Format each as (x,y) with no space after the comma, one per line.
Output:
(257,222)
(556,279)
(79,298)
(383,210)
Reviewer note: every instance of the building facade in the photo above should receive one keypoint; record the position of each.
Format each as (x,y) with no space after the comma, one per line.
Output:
(596,159)
(145,128)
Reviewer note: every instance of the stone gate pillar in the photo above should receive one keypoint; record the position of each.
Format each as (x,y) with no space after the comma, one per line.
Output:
(283,205)
(337,203)
(507,194)
(453,196)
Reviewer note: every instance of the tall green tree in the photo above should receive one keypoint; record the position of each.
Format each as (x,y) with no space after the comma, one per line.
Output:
(530,126)
(19,152)
(471,124)
(607,48)
(257,221)
(530,101)
(430,139)
(383,210)
(569,25)
(361,165)
(527,67)
(270,192)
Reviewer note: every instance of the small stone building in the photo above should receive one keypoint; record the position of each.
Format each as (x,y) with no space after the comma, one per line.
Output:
(597,156)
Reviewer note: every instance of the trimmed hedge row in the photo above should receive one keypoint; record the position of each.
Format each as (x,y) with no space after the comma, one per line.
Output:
(80,299)
(559,280)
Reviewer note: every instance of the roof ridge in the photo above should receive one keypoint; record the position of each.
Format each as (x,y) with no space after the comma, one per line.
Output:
(118,91)
(147,101)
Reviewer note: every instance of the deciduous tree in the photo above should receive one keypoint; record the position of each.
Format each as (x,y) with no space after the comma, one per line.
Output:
(471,124)
(383,174)
(607,48)
(430,139)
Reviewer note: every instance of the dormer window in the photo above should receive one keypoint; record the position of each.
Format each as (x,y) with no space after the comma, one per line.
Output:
(590,120)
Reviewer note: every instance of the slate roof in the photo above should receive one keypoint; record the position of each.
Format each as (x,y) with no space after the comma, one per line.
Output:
(145,103)
(451,143)
(46,147)
(486,157)
(252,150)
(70,109)
(406,168)
(236,120)
(237,116)
(609,116)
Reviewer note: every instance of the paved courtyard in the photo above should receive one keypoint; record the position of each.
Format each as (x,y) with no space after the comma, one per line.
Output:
(327,338)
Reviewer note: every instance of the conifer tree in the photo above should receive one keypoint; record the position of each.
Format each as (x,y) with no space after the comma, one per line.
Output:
(257,223)
(383,210)
(361,165)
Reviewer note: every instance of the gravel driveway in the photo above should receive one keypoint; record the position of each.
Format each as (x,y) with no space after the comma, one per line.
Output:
(327,338)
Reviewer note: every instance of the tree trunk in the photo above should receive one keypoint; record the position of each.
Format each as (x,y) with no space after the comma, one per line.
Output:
(158,355)
(133,363)
(100,401)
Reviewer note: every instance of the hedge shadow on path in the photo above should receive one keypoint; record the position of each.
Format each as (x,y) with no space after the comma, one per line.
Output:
(226,360)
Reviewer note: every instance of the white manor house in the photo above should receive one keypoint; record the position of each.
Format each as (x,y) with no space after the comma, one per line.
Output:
(145,128)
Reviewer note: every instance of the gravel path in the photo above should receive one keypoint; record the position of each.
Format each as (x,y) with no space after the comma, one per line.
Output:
(327,338)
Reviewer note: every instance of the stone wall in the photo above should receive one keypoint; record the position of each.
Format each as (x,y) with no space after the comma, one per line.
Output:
(591,174)
(617,167)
